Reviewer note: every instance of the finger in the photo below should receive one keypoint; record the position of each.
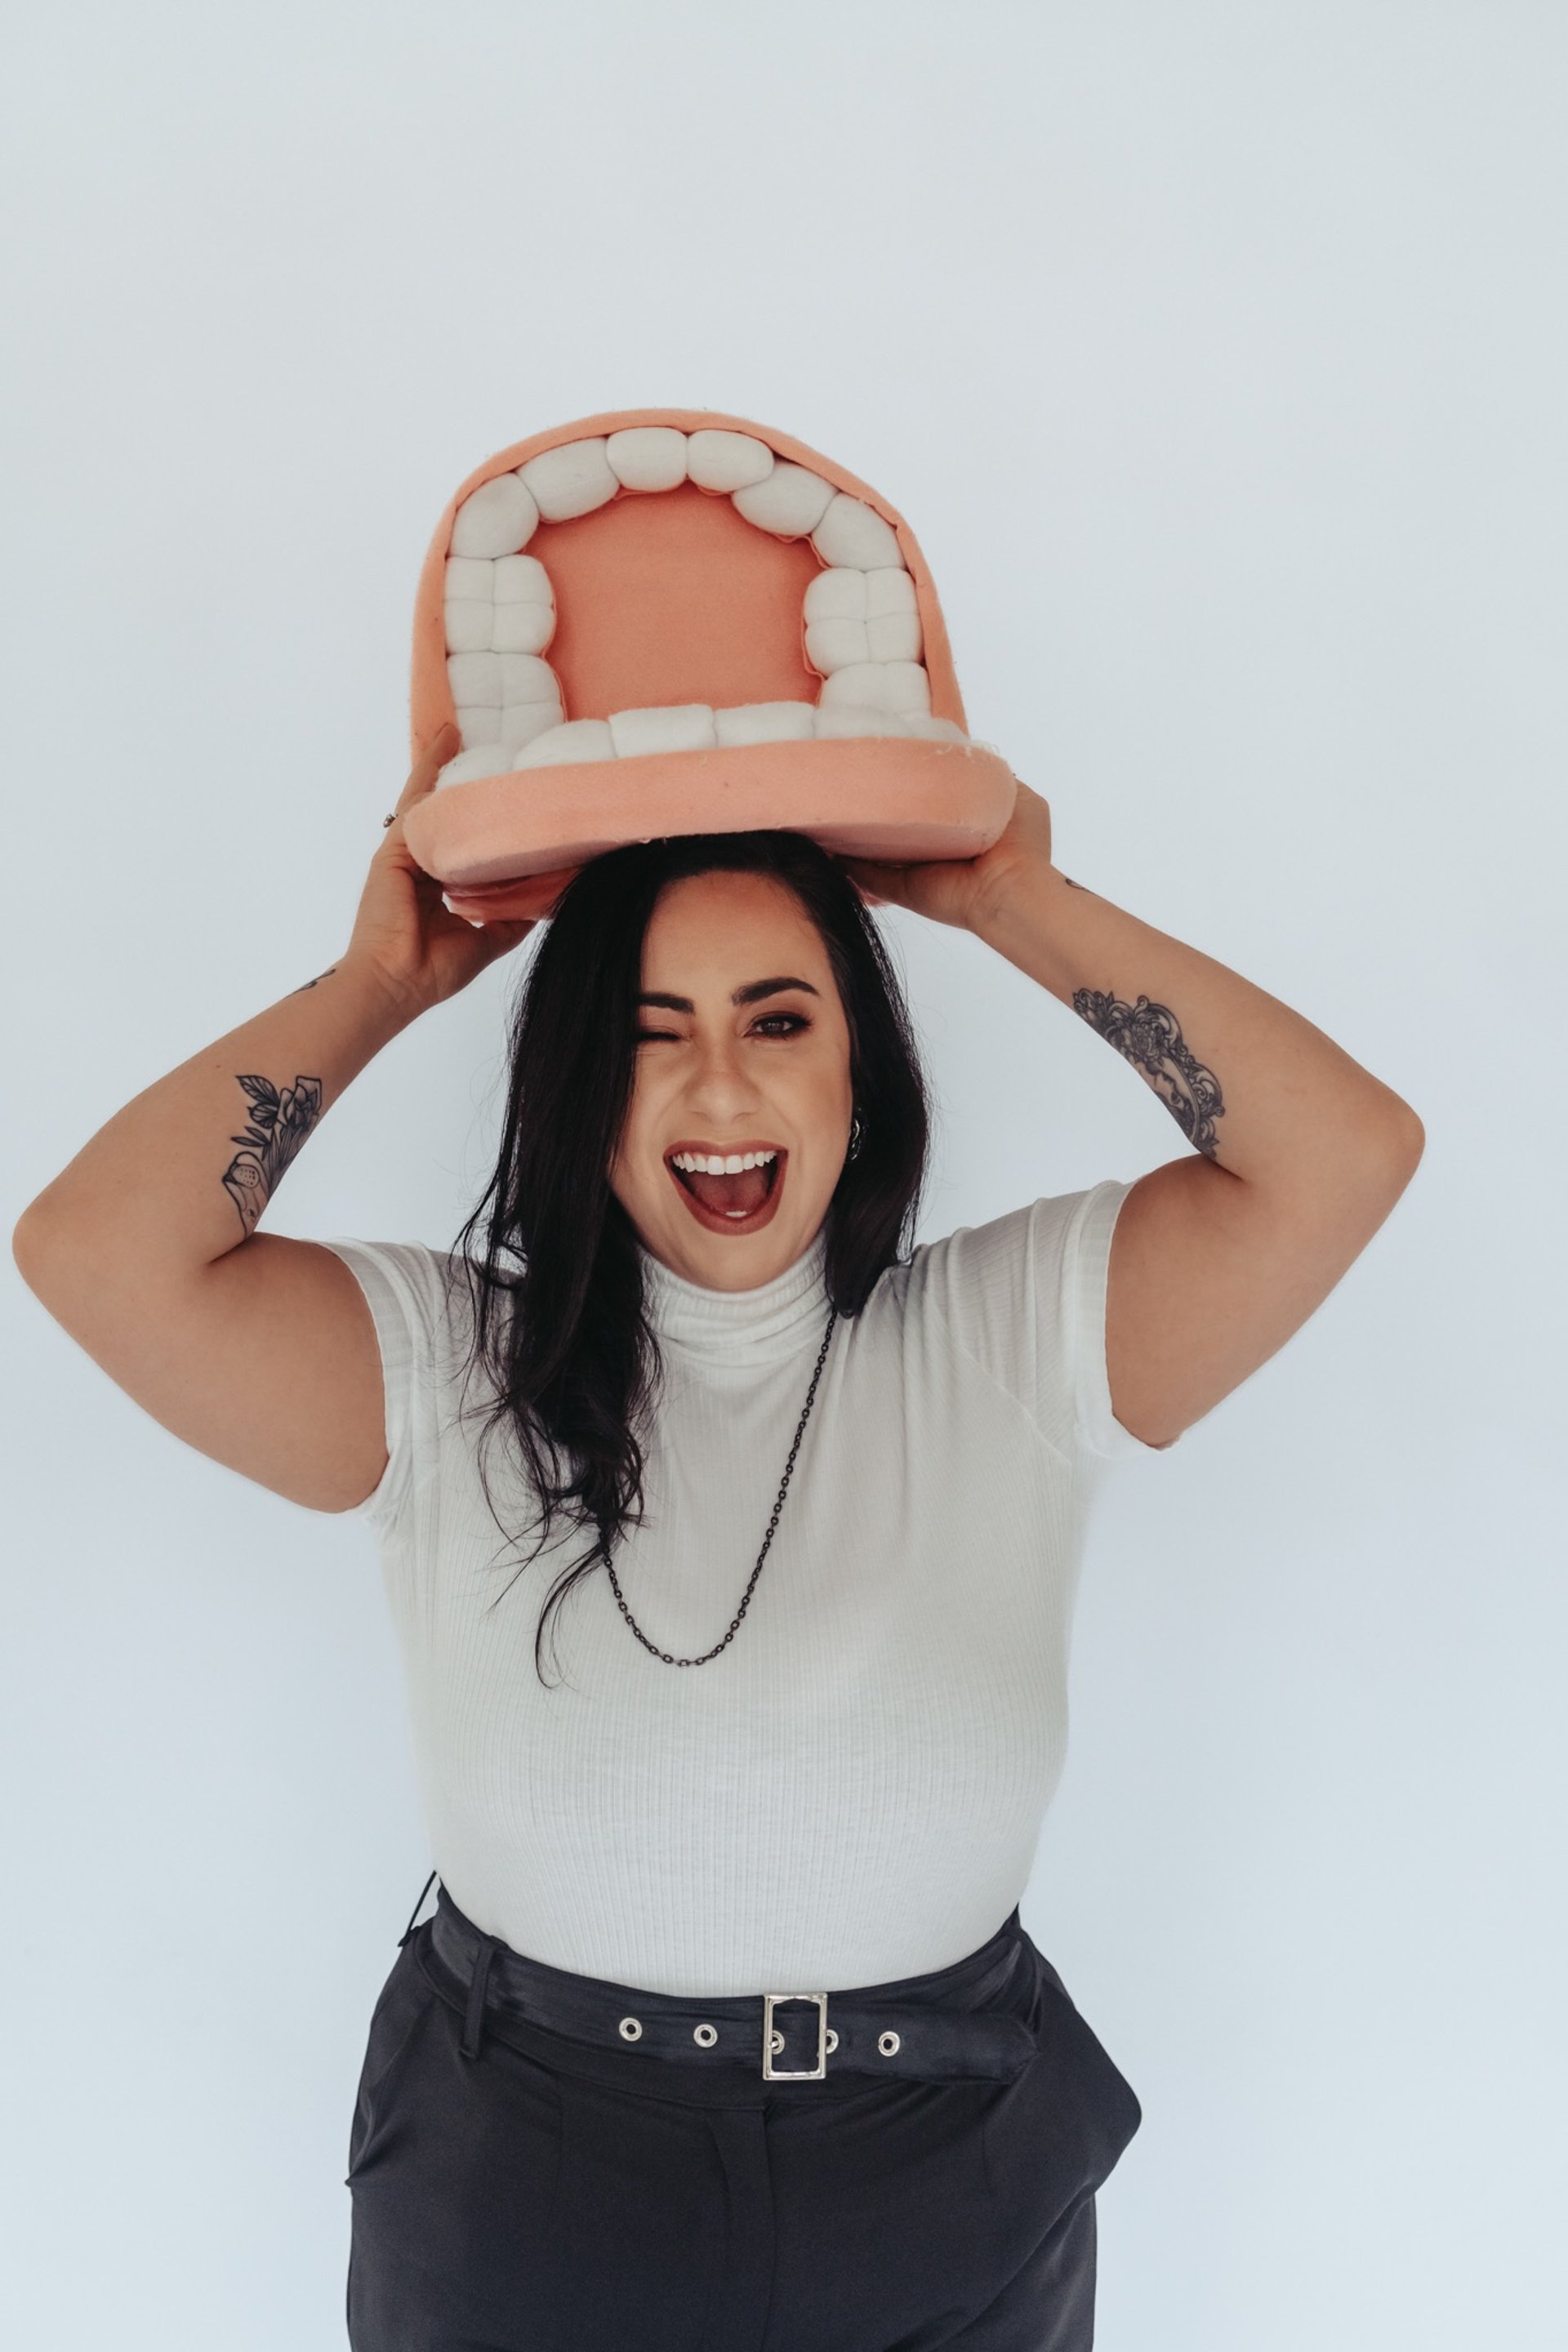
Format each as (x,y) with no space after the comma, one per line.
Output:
(443,746)
(502,937)
(532,895)
(879,885)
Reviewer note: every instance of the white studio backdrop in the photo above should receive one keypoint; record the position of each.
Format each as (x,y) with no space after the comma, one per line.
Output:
(1216,353)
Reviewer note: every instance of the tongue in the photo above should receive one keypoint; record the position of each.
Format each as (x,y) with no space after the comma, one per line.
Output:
(724,1194)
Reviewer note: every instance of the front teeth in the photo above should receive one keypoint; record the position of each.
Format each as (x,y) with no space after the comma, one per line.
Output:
(697,1163)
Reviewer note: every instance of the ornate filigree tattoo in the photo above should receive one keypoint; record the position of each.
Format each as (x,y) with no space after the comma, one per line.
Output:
(1150,1038)
(279,1122)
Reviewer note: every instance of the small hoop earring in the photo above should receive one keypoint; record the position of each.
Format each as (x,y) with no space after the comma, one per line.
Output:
(856,1132)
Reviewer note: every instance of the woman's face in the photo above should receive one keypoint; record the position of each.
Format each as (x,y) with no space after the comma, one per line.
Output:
(743,1051)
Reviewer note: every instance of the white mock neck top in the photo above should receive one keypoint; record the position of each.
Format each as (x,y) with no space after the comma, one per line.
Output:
(739,1327)
(853,1790)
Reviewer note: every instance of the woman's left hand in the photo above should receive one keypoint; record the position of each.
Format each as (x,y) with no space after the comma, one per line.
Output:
(958,889)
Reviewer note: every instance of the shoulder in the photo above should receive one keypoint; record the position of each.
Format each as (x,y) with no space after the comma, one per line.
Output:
(1022,1298)
(422,1300)
(1004,1264)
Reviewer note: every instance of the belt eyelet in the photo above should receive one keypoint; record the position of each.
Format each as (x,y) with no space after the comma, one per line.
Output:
(705,2036)
(631,2031)
(887,2043)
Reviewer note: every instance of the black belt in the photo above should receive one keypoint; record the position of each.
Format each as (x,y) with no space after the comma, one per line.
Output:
(935,2028)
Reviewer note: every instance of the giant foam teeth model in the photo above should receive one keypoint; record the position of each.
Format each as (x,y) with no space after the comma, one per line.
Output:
(668,621)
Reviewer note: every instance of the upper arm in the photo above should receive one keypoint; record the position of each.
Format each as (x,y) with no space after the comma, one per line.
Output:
(1209,1275)
(267,1360)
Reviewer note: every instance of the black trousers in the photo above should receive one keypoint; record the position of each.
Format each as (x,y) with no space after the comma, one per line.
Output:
(516,2189)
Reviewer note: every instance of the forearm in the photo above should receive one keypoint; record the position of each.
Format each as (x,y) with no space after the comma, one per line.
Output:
(184,1170)
(1253,1085)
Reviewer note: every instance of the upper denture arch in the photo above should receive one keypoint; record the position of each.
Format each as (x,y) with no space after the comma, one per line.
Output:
(861,622)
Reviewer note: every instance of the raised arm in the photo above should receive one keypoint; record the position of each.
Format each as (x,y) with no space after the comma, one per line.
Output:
(257,1350)
(1298,1153)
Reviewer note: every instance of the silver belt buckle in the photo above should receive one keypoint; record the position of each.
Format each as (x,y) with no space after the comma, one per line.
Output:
(773,2040)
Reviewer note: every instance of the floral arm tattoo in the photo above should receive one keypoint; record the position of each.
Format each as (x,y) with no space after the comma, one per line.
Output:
(280,1123)
(1151,1040)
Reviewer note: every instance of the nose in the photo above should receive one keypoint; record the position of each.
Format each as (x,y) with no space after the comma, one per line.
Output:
(719,1086)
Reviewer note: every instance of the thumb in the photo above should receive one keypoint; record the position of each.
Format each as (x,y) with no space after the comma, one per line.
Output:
(443,746)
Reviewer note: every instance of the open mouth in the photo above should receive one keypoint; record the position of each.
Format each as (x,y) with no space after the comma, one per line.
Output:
(734,1191)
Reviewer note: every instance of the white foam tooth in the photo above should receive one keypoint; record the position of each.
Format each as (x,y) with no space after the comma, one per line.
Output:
(922,722)
(519,628)
(498,517)
(789,501)
(893,616)
(521,723)
(765,722)
(672,727)
(475,679)
(525,606)
(909,685)
(469,621)
(836,645)
(837,594)
(525,679)
(484,760)
(470,576)
(878,686)
(886,591)
(840,718)
(572,479)
(559,747)
(893,637)
(522,580)
(477,728)
(848,532)
(716,460)
(648,457)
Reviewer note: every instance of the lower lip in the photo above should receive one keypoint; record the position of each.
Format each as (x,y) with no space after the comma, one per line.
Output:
(717,1223)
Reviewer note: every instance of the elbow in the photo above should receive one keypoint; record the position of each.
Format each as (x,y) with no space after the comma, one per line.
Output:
(1409,1141)
(1391,1150)
(27,1242)
(40,1242)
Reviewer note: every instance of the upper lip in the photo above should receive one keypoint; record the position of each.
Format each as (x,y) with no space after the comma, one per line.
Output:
(721,1150)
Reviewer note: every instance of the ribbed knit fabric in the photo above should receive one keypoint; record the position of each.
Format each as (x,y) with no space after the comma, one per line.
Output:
(853,1790)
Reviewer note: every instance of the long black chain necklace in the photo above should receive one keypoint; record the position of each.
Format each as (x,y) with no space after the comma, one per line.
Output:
(652,1648)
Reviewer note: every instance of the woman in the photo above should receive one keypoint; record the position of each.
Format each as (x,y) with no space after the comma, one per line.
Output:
(739,1673)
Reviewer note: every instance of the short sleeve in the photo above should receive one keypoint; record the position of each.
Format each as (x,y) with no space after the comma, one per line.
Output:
(405,1286)
(1024,1296)
(1085,1272)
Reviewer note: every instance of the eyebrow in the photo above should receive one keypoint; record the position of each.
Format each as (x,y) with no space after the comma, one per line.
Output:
(751,993)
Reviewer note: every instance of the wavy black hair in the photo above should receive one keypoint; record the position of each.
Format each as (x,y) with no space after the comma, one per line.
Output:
(569,1354)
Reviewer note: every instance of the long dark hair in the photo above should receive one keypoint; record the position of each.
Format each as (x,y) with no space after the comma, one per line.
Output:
(564,1339)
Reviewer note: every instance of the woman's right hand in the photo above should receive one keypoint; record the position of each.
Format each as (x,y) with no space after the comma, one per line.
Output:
(422,950)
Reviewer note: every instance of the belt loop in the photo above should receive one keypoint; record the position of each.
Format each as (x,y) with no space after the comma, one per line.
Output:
(423,1891)
(474,2017)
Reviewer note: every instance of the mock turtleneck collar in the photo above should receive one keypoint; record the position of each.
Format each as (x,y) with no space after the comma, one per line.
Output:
(740,1326)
